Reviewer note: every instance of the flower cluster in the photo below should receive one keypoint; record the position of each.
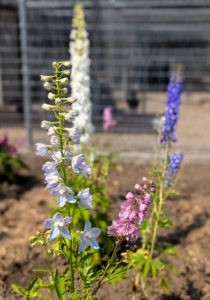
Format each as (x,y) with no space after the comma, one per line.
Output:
(173,167)
(5,146)
(63,159)
(108,121)
(80,77)
(172,110)
(133,212)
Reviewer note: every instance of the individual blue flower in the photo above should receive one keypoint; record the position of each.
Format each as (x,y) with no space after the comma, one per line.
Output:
(174,92)
(54,140)
(57,156)
(64,194)
(78,162)
(86,171)
(88,237)
(52,179)
(79,165)
(74,135)
(173,167)
(58,226)
(49,168)
(85,198)
(41,149)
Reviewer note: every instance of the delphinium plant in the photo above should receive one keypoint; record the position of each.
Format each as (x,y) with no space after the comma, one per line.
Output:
(80,77)
(80,89)
(62,235)
(150,259)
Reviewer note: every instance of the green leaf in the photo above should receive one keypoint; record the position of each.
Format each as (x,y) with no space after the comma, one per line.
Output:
(59,285)
(35,284)
(145,225)
(155,265)
(41,270)
(166,223)
(18,289)
(118,275)
(146,268)
(170,250)
(164,285)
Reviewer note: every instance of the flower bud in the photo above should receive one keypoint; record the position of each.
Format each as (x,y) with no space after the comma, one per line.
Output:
(64,80)
(47,86)
(48,107)
(70,99)
(66,72)
(45,78)
(67,63)
(152,189)
(58,101)
(51,96)
(45,125)
(74,113)
(144,178)
(137,186)
(64,91)
(130,196)
(55,64)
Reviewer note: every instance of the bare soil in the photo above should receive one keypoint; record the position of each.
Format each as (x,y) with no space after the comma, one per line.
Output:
(25,205)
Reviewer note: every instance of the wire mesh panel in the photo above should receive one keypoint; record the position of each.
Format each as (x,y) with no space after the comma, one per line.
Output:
(135,45)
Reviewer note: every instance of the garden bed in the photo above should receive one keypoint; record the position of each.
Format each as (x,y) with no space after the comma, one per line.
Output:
(25,205)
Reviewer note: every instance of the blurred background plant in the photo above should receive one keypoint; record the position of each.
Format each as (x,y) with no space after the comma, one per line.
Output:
(10,161)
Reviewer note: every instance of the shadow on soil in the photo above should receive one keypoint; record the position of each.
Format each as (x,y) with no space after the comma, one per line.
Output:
(16,188)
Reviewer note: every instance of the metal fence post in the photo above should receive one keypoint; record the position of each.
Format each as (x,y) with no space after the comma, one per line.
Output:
(25,71)
(1,87)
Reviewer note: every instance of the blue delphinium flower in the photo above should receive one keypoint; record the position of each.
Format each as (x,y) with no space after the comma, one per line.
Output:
(173,167)
(174,92)
(85,198)
(88,237)
(64,194)
(58,226)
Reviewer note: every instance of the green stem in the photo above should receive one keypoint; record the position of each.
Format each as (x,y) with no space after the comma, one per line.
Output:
(100,282)
(159,208)
(154,237)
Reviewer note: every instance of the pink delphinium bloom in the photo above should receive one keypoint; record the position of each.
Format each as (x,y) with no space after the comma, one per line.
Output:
(3,139)
(108,121)
(133,212)
(4,143)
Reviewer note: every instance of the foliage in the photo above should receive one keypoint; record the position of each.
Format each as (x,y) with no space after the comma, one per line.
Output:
(10,161)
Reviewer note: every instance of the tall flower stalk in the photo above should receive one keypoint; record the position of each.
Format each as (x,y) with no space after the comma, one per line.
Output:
(149,258)
(80,78)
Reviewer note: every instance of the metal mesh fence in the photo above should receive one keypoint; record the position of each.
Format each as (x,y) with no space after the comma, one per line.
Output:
(135,45)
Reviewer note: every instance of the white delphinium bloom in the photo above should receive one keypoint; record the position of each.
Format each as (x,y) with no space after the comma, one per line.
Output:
(80,77)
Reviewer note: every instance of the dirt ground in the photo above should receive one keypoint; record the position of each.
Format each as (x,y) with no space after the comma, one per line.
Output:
(24,207)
